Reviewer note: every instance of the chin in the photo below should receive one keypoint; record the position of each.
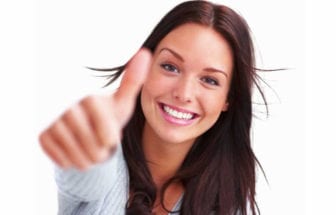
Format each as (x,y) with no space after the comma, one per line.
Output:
(176,139)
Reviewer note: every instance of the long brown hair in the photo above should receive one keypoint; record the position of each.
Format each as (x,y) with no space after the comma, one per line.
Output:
(219,172)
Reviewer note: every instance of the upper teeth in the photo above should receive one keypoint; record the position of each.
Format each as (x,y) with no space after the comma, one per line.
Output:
(177,114)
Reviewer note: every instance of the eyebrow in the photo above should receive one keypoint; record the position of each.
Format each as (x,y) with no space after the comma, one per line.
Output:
(178,56)
(173,53)
(216,70)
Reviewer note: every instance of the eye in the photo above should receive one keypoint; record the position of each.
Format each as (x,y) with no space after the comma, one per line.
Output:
(210,81)
(169,67)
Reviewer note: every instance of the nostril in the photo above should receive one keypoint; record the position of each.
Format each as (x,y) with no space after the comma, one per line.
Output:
(182,98)
(182,95)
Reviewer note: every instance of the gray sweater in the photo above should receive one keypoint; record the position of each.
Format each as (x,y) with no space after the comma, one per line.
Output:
(103,189)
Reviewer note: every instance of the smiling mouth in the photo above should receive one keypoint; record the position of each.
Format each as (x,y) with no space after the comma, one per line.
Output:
(178,113)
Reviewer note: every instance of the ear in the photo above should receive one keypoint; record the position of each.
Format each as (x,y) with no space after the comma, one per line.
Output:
(225,107)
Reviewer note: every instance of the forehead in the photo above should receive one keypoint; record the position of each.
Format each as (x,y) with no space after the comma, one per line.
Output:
(198,43)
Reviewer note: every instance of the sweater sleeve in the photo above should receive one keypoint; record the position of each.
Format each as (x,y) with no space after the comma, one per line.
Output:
(77,189)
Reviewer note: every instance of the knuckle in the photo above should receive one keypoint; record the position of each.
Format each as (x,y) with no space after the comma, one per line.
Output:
(45,144)
(54,129)
(41,137)
(101,154)
(95,158)
(91,99)
(91,152)
(42,141)
(69,114)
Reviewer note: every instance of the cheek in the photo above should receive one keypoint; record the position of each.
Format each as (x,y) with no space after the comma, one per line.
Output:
(214,105)
(152,89)
(148,88)
(149,91)
(157,84)
(145,97)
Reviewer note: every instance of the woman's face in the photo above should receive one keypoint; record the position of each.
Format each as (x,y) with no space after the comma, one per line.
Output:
(187,87)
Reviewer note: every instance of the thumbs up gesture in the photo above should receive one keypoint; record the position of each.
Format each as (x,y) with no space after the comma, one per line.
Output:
(87,132)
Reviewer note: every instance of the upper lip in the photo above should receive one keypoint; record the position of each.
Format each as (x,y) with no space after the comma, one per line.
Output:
(179,109)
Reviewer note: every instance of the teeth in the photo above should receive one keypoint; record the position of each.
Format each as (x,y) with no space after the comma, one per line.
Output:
(177,114)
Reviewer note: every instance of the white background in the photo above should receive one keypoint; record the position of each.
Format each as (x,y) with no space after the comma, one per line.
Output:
(45,45)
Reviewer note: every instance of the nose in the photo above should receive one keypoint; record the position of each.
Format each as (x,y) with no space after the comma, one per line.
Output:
(184,91)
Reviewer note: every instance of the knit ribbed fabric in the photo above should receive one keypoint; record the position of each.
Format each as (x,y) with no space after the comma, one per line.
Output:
(102,190)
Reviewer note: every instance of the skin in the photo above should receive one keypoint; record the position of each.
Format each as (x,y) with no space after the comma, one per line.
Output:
(190,70)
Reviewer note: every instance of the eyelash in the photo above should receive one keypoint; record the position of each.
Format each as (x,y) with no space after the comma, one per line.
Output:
(171,68)
(210,81)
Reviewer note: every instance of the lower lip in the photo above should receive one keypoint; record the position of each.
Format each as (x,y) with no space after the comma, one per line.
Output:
(174,120)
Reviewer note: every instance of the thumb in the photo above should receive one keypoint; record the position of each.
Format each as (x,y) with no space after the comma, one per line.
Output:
(134,76)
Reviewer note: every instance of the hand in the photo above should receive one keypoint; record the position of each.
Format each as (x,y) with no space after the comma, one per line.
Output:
(88,132)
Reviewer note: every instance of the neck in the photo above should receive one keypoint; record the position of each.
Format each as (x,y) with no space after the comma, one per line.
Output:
(164,158)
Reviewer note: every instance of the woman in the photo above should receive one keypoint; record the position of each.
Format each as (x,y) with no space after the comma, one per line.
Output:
(182,115)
